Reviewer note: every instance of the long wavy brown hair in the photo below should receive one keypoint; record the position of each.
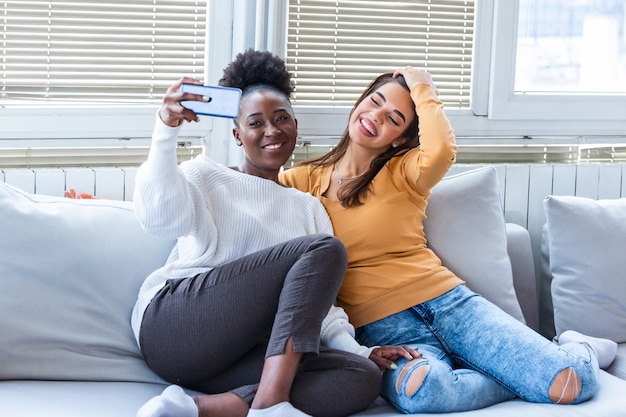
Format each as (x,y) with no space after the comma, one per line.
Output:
(353,193)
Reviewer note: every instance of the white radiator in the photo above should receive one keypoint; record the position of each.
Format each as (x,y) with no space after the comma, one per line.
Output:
(105,182)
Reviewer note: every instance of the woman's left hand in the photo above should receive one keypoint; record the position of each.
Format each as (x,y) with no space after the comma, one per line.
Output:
(385,356)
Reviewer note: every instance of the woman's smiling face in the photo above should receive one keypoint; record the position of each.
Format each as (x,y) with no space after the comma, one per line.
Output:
(381,118)
(267,129)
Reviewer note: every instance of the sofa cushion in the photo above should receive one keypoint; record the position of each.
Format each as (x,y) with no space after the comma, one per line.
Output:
(465,226)
(118,399)
(544,289)
(519,248)
(70,271)
(586,240)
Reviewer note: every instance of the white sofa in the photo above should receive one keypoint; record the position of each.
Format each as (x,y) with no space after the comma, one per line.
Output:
(70,271)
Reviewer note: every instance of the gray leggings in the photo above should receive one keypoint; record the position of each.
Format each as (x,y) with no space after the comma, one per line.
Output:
(213,331)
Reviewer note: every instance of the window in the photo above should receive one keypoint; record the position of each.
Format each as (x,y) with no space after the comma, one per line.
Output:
(335,48)
(94,59)
(571,47)
(551,61)
(111,51)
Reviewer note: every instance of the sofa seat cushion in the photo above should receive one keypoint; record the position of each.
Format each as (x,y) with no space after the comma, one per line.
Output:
(74,399)
(123,399)
(70,271)
(586,239)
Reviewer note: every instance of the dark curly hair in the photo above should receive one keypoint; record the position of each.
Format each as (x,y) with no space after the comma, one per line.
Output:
(252,70)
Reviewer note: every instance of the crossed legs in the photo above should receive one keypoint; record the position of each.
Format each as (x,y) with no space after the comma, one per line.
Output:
(197,329)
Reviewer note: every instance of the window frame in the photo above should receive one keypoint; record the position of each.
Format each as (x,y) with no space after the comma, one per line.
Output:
(90,121)
(496,115)
(578,114)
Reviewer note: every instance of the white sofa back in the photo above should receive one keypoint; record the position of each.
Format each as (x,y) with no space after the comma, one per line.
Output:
(70,271)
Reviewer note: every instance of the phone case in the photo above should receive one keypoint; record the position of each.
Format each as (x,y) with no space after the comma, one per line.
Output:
(223,101)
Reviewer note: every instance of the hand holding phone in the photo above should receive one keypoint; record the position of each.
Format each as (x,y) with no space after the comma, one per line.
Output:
(222,101)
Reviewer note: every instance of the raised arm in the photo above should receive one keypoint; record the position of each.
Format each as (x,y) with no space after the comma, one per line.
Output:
(163,196)
(437,141)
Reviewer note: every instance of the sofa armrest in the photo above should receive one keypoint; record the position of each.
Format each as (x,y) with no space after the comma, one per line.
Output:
(520,252)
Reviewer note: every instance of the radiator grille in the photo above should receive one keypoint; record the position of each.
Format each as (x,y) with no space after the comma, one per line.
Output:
(105,182)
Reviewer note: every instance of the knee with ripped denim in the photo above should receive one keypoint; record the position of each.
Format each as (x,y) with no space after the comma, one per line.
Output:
(410,377)
(565,387)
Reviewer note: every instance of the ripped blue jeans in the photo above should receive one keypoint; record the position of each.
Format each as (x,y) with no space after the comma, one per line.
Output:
(474,355)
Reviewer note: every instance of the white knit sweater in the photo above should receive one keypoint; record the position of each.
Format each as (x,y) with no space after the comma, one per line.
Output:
(219,215)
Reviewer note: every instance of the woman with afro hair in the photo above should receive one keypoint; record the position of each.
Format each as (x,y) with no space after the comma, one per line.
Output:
(237,310)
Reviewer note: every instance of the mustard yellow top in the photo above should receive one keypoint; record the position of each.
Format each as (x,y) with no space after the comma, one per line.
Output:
(389,266)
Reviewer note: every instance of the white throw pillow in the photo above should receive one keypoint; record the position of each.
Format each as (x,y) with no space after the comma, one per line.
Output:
(70,271)
(465,226)
(587,246)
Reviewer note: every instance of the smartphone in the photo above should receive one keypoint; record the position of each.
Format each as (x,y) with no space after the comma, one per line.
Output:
(222,101)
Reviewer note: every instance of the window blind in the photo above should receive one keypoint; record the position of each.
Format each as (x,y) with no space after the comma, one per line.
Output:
(336,47)
(109,51)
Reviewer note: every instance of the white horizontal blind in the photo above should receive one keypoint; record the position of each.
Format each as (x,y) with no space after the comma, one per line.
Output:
(335,47)
(113,50)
